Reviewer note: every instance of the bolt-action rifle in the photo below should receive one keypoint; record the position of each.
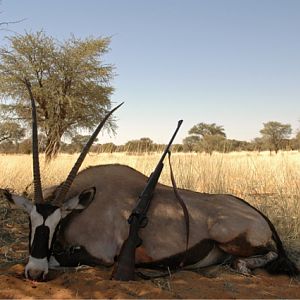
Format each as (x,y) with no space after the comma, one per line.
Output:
(124,268)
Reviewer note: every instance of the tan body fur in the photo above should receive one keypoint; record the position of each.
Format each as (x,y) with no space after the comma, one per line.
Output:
(102,227)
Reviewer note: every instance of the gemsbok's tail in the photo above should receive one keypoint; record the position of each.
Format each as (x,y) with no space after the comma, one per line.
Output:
(282,264)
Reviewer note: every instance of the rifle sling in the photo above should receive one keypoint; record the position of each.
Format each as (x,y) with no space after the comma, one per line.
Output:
(187,227)
(184,208)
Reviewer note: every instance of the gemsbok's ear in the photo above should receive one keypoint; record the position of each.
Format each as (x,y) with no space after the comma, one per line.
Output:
(19,201)
(79,202)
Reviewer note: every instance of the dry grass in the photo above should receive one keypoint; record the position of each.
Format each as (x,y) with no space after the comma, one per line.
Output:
(271,183)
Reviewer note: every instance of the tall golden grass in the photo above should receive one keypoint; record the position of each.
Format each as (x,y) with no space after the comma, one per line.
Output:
(269,182)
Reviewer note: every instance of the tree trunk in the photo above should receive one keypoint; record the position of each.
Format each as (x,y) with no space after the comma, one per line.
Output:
(53,143)
(52,148)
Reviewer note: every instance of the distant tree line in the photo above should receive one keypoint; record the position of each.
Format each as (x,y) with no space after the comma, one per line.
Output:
(207,138)
(202,137)
(71,86)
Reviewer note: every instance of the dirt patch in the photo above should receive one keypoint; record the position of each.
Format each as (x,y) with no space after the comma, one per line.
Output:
(96,283)
(215,282)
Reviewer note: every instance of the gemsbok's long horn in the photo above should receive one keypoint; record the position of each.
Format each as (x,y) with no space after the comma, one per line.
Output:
(38,194)
(64,188)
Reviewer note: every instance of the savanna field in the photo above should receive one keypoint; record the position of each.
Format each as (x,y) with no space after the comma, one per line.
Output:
(269,182)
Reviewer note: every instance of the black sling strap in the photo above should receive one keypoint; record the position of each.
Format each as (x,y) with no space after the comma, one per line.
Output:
(187,227)
(184,208)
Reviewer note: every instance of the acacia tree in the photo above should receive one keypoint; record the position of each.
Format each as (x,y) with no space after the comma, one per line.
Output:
(191,143)
(142,145)
(275,133)
(68,80)
(105,148)
(259,144)
(79,140)
(206,137)
(213,142)
(203,129)
(11,131)
(297,140)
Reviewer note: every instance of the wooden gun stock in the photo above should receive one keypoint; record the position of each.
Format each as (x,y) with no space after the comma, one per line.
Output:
(124,268)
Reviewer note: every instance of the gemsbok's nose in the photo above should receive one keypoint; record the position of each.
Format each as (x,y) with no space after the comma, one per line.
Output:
(35,274)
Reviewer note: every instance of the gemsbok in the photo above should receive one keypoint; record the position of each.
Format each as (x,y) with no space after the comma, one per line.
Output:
(84,221)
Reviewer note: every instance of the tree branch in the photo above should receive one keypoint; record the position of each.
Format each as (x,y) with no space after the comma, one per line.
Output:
(12,22)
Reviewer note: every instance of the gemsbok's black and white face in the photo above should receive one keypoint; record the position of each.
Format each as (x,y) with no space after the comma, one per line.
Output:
(45,217)
(44,221)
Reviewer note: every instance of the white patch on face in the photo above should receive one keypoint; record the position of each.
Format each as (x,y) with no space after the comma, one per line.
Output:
(53,263)
(36,266)
(36,220)
(52,222)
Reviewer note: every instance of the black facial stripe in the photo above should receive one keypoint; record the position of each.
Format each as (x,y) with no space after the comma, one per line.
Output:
(45,209)
(54,239)
(39,247)
(30,234)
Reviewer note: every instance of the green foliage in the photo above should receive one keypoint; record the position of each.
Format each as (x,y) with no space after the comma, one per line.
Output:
(68,80)
(295,142)
(78,142)
(205,137)
(204,129)
(260,144)
(236,145)
(274,133)
(213,142)
(25,147)
(11,131)
(141,145)
(190,143)
(106,148)
(297,138)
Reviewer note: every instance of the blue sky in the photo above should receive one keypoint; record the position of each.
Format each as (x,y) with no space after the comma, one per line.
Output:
(232,62)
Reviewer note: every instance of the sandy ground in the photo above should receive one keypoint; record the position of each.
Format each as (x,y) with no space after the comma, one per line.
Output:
(215,282)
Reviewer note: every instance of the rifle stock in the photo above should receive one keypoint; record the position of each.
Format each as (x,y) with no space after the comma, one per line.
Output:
(124,268)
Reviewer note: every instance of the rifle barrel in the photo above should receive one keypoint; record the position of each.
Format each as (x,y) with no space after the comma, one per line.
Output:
(170,143)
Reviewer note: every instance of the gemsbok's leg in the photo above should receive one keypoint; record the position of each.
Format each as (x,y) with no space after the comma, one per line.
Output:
(245,265)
